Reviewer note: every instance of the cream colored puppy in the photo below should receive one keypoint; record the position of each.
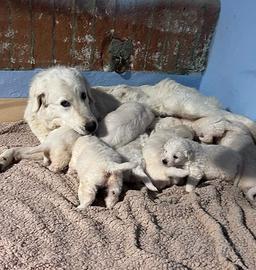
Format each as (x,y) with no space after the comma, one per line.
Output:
(57,148)
(97,165)
(125,124)
(133,152)
(237,137)
(202,161)
(152,150)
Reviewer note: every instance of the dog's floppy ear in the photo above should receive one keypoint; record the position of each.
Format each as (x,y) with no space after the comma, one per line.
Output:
(38,101)
(89,93)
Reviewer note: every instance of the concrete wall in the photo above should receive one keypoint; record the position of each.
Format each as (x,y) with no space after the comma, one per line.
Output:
(231,71)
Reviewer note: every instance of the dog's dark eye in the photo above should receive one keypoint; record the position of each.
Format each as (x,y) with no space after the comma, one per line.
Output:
(65,103)
(175,157)
(83,95)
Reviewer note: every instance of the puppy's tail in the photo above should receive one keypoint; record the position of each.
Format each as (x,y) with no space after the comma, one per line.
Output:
(139,172)
(119,167)
(251,194)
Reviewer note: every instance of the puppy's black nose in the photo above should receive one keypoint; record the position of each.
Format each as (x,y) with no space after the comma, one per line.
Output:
(90,126)
(164,161)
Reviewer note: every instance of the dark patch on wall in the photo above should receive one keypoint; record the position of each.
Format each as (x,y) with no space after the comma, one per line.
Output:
(172,36)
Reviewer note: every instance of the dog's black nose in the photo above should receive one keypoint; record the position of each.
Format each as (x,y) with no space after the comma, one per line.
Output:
(164,161)
(90,126)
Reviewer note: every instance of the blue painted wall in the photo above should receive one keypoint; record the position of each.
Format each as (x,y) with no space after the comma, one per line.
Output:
(16,83)
(231,71)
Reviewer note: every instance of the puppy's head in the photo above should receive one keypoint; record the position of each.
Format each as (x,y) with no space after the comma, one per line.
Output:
(61,96)
(209,128)
(176,153)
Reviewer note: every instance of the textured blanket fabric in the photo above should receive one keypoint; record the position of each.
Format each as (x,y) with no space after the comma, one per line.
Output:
(40,228)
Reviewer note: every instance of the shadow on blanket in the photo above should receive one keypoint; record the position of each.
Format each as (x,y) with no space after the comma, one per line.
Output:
(213,228)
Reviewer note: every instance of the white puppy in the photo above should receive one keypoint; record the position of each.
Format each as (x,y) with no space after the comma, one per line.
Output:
(160,174)
(57,148)
(237,137)
(97,165)
(202,161)
(125,124)
(133,152)
(168,122)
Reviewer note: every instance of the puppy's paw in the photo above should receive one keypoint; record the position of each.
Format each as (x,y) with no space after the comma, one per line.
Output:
(81,207)
(6,159)
(55,168)
(110,202)
(189,188)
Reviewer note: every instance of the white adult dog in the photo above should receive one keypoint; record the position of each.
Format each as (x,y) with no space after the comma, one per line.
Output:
(60,96)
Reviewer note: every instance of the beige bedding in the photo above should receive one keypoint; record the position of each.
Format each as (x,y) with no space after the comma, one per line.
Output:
(40,228)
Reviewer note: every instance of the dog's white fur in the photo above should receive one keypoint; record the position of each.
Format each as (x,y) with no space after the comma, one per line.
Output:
(125,124)
(170,98)
(57,148)
(160,174)
(97,165)
(237,137)
(202,161)
(133,152)
(169,122)
(48,89)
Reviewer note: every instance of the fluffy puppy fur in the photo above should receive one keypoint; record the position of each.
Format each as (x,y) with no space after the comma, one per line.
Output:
(125,124)
(169,98)
(97,165)
(168,122)
(202,161)
(237,137)
(133,152)
(152,150)
(57,148)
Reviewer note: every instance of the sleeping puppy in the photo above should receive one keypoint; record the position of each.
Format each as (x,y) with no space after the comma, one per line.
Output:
(161,175)
(237,137)
(97,165)
(125,124)
(202,161)
(57,148)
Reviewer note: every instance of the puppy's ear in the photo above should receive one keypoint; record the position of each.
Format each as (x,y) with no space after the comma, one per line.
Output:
(38,102)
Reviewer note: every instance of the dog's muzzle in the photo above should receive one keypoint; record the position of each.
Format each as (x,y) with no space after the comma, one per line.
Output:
(90,126)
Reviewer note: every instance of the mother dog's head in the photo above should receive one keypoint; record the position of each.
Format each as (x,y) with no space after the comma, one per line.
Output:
(60,96)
